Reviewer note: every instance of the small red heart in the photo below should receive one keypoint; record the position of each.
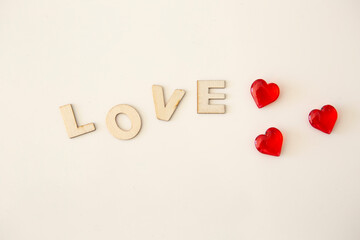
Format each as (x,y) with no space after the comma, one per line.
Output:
(324,119)
(270,143)
(264,93)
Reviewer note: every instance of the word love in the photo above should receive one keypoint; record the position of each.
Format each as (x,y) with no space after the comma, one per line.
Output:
(263,94)
(164,111)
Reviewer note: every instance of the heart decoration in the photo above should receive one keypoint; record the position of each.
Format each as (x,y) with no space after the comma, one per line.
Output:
(324,119)
(264,93)
(270,143)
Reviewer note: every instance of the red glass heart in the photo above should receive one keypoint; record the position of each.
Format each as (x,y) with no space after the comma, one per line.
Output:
(264,93)
(324,119)
(270,143)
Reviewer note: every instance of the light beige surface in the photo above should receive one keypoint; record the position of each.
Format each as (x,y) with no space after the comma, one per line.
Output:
(198,176)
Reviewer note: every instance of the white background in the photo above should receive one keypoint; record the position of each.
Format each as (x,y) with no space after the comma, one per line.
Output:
(197,177)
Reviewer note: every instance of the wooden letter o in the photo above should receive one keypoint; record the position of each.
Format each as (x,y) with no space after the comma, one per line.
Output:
(113,127)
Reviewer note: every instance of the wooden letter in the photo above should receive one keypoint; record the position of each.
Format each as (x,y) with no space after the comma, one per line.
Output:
(113,127)
(164,112)
(72,129)
(204,96)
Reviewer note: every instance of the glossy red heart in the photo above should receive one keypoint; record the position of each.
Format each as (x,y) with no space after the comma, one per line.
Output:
(264,93)
(270,143)
(324,119)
